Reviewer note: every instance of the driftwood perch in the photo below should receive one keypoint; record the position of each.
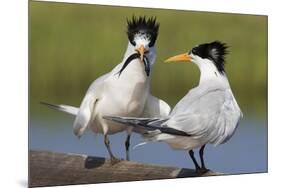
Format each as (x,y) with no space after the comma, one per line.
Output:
(54,169)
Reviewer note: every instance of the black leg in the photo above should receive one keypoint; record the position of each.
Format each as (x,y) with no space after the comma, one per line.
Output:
(201,153)
(191,153)
(203,167)
(127,145)
(107,144)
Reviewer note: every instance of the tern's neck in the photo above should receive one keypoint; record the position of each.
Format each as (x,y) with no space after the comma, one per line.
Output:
(130,50)
(209,72)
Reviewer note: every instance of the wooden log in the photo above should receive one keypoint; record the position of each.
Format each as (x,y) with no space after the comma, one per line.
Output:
(54,169)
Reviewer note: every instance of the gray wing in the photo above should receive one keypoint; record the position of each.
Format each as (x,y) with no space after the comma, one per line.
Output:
(211,116)
(155,107)
(194,95)
(85,113)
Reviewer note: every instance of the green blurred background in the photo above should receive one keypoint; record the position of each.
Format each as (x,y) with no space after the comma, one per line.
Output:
(70,45)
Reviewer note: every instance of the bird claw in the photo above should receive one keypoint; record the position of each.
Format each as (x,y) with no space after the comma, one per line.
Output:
(114,160)
(202,171)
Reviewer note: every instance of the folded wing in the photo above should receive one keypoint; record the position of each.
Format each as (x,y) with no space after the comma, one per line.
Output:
(210,118)
(156,107)
(86,111)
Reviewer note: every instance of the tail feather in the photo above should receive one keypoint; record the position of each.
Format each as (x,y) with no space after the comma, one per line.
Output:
(150,124)
(64,108)
(135,122)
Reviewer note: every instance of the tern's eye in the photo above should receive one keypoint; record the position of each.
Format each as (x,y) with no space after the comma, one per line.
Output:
(193,50)
(133,43)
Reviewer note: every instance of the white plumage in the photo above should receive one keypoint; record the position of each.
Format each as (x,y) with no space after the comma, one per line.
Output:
(210,116)
(127,95)
(208,113)
(125,91)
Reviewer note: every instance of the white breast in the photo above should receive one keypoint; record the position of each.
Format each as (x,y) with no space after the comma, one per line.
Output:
(123,95)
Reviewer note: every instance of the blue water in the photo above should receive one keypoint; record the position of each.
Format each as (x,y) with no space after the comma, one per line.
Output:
(246,152)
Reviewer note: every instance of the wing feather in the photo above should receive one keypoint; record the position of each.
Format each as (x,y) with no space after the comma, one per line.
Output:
(86,111)
(212,117)
(156,107)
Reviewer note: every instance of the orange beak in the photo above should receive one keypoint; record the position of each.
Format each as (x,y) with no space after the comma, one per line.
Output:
(182,57)
(141,51)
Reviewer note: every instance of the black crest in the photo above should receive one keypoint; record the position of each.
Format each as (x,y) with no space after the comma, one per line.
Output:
(143,25)
(214,51)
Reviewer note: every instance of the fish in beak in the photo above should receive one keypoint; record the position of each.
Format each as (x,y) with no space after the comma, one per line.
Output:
(141,51)
(138,55)
(143,59)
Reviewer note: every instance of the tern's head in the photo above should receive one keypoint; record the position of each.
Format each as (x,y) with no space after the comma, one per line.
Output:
(213,52)
(142,34)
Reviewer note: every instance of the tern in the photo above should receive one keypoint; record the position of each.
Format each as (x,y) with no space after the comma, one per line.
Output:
(207,114)
(125,91)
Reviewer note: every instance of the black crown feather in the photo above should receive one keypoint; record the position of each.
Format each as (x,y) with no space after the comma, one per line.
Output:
(142,25)
(214,51)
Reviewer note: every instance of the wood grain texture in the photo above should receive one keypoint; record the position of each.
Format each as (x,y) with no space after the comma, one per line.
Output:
(54,169)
